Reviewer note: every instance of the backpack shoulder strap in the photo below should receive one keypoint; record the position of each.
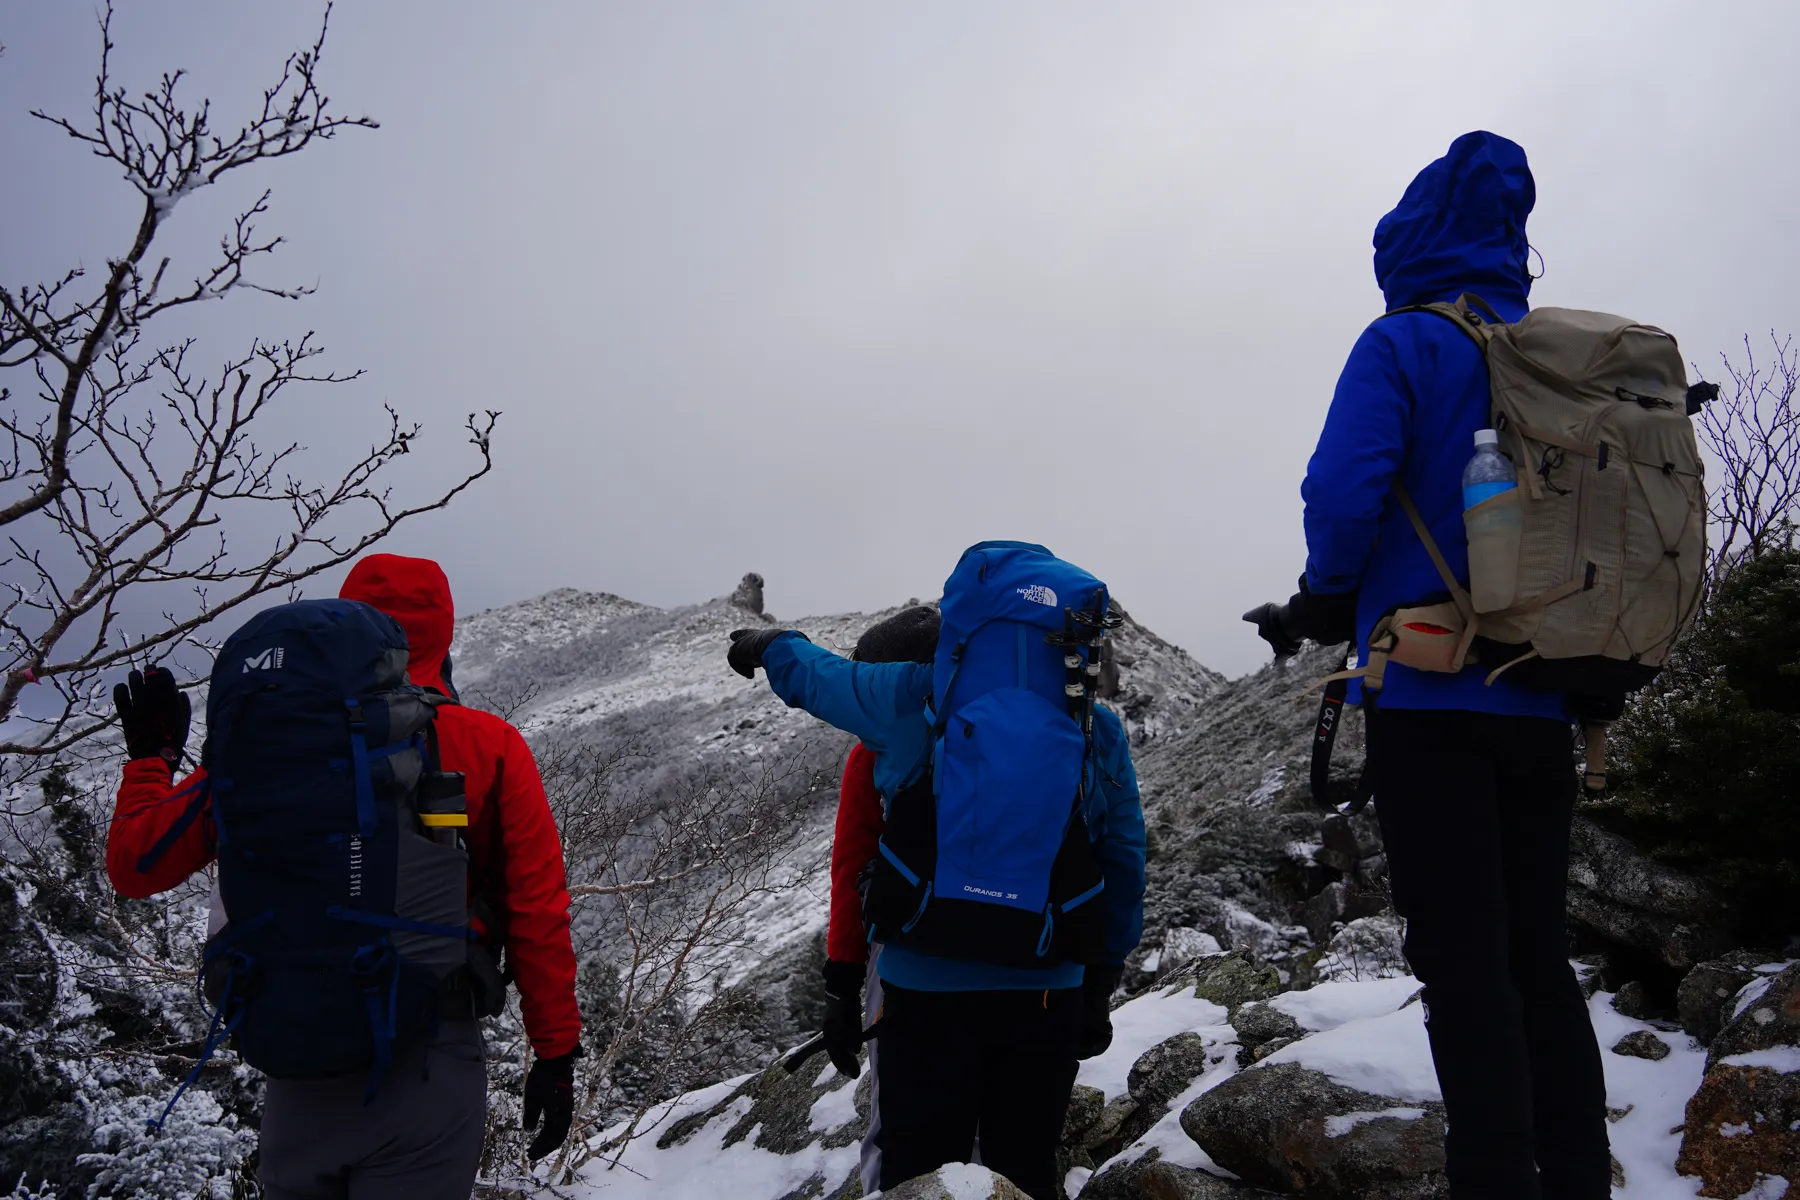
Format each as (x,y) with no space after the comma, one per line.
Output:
(1458,593)
(1471,314)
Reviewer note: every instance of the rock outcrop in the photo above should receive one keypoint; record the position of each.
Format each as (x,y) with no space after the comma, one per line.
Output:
(749,594)
(787,1113)
(1159,1075)
(1743,1125)
(1292,1130)
(1623,896)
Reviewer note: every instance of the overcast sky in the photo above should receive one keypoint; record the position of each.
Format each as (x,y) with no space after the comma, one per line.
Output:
(831,291)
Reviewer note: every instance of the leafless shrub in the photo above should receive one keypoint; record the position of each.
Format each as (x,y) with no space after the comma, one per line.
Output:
(125,465)
(665,882)
(1753,430)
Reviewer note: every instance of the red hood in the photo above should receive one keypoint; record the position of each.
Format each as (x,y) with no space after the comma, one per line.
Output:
(415,592)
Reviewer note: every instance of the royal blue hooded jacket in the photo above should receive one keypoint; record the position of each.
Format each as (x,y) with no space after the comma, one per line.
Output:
(1412,395)
(883,704)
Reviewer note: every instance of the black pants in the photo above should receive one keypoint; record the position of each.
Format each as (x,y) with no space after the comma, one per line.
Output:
(1475,811)
(419,1139)
(999,1064)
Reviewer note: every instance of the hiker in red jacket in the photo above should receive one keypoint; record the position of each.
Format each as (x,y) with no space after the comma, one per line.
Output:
(908,636)
(422,1133)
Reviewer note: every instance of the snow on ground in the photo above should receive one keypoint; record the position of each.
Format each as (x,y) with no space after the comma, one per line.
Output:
(1328,1005)
(1367,1036)
(1142,1023)
(1387,1055)
(703,1167)
(1654,1096)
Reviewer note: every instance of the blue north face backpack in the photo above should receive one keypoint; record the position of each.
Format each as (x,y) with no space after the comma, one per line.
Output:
(346,902)
(989,856)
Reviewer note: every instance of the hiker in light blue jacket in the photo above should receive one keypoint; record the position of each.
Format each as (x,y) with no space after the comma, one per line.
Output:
(988,1001)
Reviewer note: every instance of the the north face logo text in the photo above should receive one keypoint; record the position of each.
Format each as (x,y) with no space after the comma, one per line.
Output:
(1037,593)
(268,660)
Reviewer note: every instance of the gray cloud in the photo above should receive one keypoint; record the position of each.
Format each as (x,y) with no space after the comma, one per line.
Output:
(829,292)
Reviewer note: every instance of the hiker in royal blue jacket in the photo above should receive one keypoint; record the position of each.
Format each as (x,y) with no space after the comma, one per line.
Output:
(971,1047)
(1474,782)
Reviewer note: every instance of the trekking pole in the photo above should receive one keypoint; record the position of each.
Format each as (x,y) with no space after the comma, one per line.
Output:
(814,1045)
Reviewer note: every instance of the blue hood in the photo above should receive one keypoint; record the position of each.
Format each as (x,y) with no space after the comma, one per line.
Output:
(1460,227)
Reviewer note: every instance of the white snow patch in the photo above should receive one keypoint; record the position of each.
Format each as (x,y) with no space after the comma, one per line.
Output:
(1656,1093)
(1732,1129)
(1387,1055)
(1749,994)
(703,1166)
(1142,1023)
(833,1110)
(1151,961)
(1075,1180)
(1267,789)
(1784,1059)
(1338,1126)
(966,1181)
(1769,1187)
(1329,1005)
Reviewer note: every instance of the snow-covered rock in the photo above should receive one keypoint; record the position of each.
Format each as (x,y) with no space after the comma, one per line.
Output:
(958,1181)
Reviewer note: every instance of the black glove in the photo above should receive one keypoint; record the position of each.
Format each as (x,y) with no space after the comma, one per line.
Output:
(550,1092)
(749,645)
(1097,986)
(154,715)
(1328,618)
(1274,627)
(844,1015)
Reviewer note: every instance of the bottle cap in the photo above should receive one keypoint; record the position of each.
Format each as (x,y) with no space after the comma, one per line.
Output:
(1486,437)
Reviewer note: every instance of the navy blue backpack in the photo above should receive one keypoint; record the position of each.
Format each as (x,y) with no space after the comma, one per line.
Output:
(989,856)
(346,904)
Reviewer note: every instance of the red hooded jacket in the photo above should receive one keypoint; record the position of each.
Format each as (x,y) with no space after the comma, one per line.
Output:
(515,851)
(853,844)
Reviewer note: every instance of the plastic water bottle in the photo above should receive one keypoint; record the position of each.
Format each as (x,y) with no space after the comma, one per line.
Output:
(1489,473)
(1494,523)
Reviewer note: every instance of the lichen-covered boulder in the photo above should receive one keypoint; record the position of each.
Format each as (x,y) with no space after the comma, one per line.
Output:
(1641,1043)
(1743,1125)
(1705,999)
(1258,1022)
(1229,979)
(1292,1130)
(1166,1181)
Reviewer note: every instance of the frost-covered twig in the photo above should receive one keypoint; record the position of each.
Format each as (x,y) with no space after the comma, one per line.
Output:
(125,467)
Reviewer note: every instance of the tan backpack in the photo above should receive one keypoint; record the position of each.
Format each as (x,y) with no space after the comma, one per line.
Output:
(1593,565)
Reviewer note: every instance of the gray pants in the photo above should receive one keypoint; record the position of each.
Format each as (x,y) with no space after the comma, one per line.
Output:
(420,1137)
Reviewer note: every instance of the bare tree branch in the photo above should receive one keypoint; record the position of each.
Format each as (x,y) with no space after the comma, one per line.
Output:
(1754,433)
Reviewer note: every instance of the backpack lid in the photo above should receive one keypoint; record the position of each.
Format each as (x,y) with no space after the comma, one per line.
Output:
(334,649)
(1013,581)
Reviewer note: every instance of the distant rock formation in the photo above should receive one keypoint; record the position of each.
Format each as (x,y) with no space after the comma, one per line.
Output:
(749,594)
